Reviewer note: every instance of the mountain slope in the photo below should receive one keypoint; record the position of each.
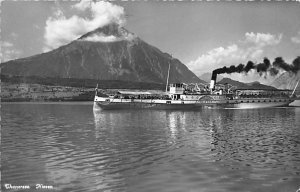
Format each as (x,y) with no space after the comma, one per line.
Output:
(107,53)
(241,85)
(207,77)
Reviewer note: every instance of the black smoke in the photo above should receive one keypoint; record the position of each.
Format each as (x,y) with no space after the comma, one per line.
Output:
(261,68)
(294,67)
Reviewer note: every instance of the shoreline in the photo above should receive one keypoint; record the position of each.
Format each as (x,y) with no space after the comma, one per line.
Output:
(50,102)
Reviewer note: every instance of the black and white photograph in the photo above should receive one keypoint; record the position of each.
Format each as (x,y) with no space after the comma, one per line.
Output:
(150,95)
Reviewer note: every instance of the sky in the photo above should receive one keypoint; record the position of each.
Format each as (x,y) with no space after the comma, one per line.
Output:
(204,35)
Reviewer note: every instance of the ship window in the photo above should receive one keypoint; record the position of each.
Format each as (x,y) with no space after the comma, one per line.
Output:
(242,101)
(258,101)
(279,100)
(252,101)
(270,101)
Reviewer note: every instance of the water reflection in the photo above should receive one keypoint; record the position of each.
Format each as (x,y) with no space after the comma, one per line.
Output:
(173,125)
(176,121)
(77,149)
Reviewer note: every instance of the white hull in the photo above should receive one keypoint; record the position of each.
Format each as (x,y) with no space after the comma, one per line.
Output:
(295,103)
(110,103)
(260,105)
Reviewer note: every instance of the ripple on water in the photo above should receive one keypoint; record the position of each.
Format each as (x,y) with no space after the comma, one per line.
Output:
(75,149)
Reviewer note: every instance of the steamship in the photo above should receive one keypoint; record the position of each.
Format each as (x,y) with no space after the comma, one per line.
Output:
(183,96)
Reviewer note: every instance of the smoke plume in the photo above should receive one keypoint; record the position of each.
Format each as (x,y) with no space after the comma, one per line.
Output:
(261,68)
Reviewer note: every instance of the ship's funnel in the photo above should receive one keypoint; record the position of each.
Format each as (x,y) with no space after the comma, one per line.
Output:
(212,84)
(213,81)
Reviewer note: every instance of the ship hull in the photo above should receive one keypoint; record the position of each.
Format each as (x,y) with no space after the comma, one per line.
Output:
(133,105)
(260,105)
(106,103)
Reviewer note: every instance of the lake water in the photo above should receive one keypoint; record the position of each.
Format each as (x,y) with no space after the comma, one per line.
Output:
(72,148)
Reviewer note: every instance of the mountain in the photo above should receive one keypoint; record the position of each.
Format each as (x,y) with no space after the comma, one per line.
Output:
(107,53)
(287,81)
(207,77)
(258,85)
(241,85)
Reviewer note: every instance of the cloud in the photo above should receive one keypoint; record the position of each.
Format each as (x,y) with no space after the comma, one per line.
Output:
(100,37)
(8,51)
(296,39)
(60,30)
(252,47)
(262,39)
(82,5)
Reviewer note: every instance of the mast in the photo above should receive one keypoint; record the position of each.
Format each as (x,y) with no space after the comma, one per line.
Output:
(96,90)
(295,87)
(168,78)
